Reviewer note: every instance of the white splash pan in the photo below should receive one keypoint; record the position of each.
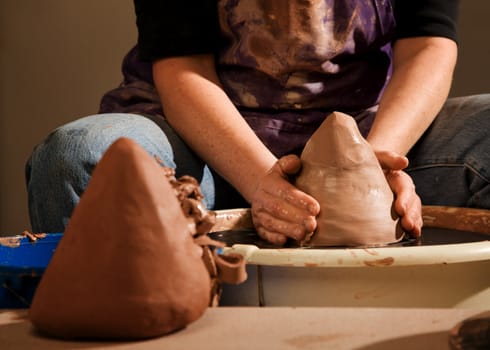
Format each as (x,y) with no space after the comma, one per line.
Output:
(449,275)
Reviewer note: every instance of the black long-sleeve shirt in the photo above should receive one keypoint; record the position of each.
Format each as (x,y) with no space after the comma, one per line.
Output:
(171,28)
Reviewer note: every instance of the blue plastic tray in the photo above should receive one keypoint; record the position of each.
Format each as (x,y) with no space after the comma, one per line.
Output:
(22,263)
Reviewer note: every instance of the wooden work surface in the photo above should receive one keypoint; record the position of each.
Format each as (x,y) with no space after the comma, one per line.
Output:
(272,328)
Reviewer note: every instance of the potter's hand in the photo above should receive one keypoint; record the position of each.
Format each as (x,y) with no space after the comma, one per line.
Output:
(407,202)
(280,210)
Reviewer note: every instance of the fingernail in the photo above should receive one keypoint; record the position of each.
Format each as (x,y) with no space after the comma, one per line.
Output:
(312,209)
(282,164)
(296,233)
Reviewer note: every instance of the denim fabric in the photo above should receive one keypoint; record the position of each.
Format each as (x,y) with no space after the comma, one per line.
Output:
(450,165)
(59,168)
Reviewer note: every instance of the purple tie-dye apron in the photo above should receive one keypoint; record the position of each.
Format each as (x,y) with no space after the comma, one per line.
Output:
(286,64)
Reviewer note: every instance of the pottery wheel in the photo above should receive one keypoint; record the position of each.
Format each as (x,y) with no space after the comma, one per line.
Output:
(442,225)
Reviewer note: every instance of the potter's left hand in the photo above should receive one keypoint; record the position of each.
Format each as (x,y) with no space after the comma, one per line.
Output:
(407,202)
(279,209)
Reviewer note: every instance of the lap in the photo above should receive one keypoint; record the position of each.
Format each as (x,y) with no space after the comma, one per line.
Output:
(59,168)
(451,162)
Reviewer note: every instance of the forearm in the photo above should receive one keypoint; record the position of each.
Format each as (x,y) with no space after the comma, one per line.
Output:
(199,110)
(422,76)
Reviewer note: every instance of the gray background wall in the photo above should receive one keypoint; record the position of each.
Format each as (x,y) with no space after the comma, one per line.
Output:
(57,58)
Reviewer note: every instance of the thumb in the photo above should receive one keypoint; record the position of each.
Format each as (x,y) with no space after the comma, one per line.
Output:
(289,164)
(391,160)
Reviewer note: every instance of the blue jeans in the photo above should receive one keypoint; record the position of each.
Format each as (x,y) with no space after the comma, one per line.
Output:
(450,164)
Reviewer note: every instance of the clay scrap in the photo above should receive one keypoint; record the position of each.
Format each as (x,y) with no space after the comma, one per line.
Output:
(341,171)
(471,333)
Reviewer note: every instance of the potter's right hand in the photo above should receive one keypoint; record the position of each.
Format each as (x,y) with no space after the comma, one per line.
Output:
(407,203)
(280,210)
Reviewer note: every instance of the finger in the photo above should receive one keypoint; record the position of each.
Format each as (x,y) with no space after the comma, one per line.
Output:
(289,164)
(285,208)
(407,203)
(272,237)
(273,224)
(275,231)
(402,185)
(300,200)
(281,187)
(295,198)
(412,220)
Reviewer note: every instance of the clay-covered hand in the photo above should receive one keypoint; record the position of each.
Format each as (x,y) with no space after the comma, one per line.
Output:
(279,209)
(407,202)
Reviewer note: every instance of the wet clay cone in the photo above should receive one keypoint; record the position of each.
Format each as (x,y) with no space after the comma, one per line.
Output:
(127,266)
(340,170)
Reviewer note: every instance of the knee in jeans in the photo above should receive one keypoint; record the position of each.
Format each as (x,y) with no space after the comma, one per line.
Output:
(63,152)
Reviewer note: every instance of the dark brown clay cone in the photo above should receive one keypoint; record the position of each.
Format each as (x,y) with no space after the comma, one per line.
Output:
(127,266)
(341,171)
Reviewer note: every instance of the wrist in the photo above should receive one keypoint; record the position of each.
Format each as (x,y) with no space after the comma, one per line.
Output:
(250,180)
